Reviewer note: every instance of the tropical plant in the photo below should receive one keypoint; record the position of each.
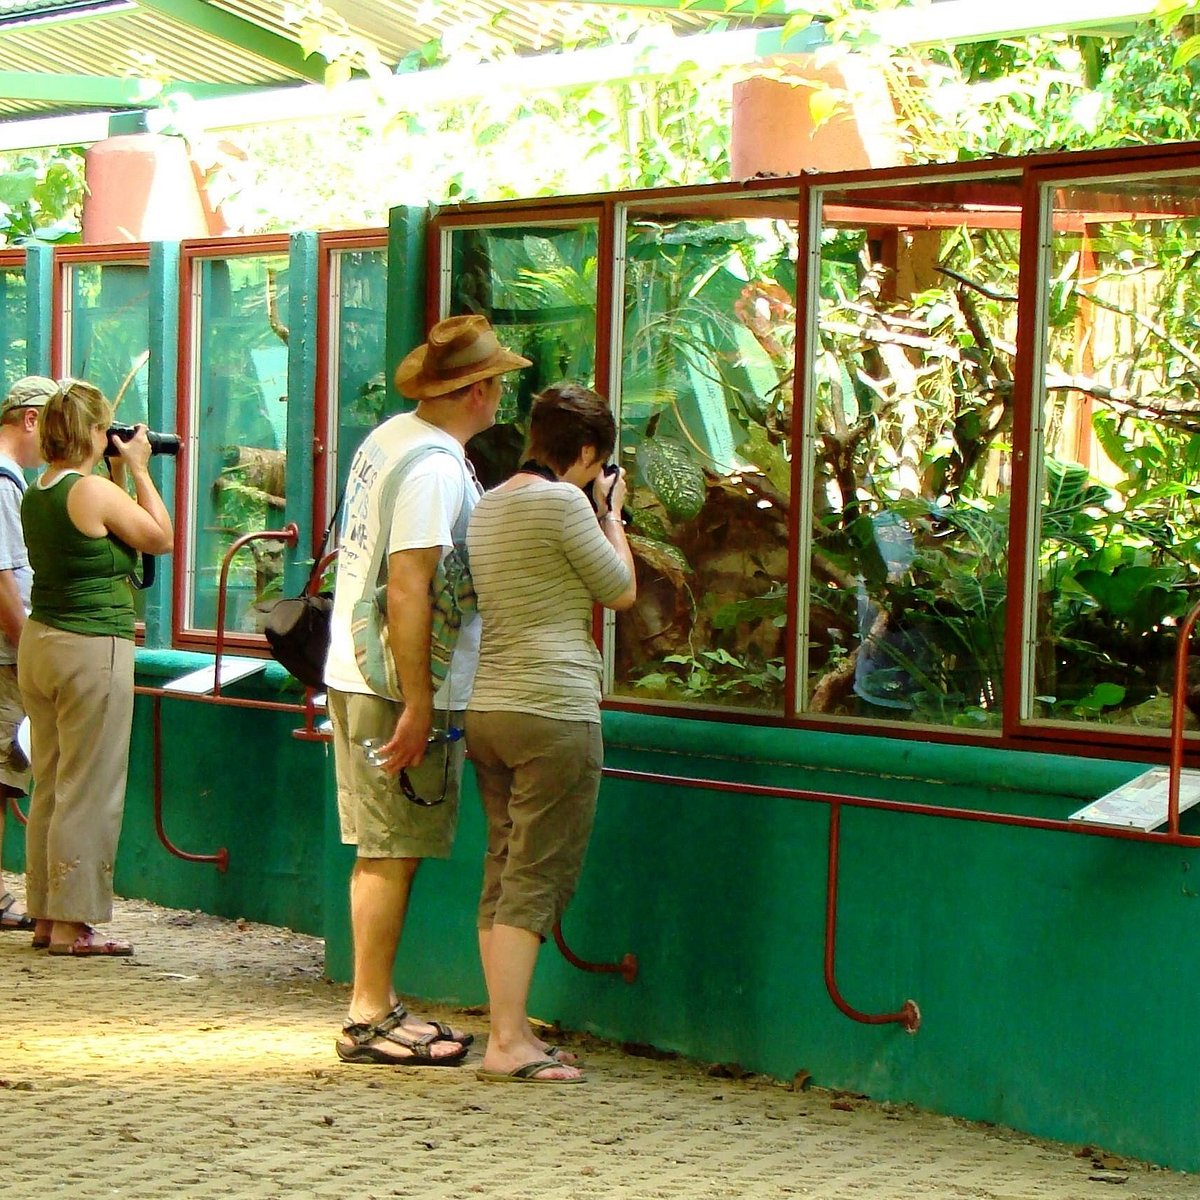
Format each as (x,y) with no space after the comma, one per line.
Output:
(40,196)
(706,403)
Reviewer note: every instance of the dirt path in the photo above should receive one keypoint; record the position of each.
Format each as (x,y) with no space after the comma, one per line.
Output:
(204,1067)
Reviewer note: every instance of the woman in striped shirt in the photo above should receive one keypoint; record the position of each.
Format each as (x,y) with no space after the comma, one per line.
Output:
(541,558)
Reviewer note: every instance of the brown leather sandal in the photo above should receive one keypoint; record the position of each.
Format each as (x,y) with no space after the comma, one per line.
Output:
(361,1047)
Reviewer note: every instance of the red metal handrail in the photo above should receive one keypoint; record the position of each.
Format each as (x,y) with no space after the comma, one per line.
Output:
(1178,699)
(909,1015)
(16,811)
(221,857)
(289,535)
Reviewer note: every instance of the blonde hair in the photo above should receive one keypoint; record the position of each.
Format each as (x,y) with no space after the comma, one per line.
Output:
(68,418)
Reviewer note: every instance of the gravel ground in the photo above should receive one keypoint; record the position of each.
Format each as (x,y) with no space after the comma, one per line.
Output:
(204,1067)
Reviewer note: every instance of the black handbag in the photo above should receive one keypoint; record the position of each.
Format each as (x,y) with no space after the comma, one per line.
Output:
(297,627)
(297,630)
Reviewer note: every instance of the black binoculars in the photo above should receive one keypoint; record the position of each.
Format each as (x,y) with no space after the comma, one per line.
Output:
(160,443)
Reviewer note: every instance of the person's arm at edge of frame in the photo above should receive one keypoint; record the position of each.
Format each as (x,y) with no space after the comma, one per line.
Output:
(12,611)
(410,620)
(614,531)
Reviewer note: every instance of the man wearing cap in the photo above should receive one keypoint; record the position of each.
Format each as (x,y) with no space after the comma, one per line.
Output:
(455,378)
(19,451)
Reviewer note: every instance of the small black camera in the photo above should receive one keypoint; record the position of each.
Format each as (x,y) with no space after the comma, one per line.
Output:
(602,486)
(160,443)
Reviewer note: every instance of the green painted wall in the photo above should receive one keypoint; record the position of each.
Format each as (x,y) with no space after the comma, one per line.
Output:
(1055,973)
(232,778)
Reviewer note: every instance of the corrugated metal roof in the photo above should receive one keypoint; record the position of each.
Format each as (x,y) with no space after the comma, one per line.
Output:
(397,27)
(109,44)
(128,41)
(27,10)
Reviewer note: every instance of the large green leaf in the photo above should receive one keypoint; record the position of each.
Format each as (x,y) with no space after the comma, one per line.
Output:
(769,457)
(17,187)
(673,477)
(1142,596)
(1068,488)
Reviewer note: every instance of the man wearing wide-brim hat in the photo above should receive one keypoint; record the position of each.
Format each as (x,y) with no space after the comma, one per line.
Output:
(398,801)
(19,451)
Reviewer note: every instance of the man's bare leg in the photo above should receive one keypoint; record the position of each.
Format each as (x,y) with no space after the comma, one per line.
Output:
(379,892)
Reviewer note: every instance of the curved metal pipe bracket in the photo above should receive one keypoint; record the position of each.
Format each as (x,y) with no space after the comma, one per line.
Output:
(289,535)
(1178,712)
(627,968)
(311,731)
(221,857)
(909,1015)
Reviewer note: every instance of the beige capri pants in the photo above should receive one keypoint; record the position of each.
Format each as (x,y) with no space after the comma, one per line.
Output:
(538,779)
(78,692)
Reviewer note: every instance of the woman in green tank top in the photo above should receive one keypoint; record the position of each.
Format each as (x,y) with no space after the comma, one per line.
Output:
(75,661)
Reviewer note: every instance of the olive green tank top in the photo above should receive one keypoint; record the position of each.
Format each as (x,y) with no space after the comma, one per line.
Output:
(80,584)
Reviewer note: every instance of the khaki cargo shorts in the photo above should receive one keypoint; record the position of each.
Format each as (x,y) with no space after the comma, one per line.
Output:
(374,813)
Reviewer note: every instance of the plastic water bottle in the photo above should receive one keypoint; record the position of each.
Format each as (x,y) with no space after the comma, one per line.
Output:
(371,750)
(372,747)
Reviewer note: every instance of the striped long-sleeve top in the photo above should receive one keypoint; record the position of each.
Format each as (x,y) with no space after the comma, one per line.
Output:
(540,561)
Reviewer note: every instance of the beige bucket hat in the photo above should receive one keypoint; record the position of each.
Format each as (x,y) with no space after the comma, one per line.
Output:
(460,351)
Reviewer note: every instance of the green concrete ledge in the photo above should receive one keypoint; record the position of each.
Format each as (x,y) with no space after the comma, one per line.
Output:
(153,668)
(860,762)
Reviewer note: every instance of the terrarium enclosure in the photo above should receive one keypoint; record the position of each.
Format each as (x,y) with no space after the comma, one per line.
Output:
(914,449)
(915,446)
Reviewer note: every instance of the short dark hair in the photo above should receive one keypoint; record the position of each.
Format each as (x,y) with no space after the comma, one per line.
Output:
(567,417)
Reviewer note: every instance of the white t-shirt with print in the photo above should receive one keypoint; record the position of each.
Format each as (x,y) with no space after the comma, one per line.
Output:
(427,505)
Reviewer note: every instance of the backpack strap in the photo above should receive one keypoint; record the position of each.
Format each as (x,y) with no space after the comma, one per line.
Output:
(374,577)
(6,472)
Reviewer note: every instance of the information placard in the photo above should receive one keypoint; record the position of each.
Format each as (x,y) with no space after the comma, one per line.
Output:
(1142,802)
(197,682)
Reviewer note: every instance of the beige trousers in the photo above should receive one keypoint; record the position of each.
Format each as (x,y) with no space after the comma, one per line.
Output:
(538,779)
(78,692)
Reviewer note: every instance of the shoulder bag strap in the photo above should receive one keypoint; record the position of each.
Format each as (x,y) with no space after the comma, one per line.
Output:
(312,575)
(376,574)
